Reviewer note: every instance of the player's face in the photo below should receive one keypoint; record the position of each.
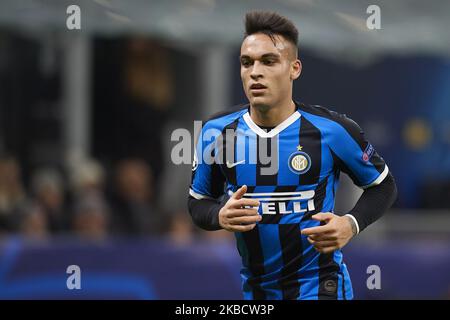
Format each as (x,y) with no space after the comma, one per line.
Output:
(268,69)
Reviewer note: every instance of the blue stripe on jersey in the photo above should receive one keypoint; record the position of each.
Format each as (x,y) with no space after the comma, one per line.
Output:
(328,202)
(309,287)
(345,147)
(338,259)
(340,293)
(202,183)
(345,286)
(347,283)
(310,265)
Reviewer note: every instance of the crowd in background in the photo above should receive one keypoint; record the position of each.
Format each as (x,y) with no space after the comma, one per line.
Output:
(88,201)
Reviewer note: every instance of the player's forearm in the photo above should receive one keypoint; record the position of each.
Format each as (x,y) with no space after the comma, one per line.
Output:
(205,213)
(374,202)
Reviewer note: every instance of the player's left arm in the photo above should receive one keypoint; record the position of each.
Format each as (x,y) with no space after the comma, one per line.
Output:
(339,230)
(353,154)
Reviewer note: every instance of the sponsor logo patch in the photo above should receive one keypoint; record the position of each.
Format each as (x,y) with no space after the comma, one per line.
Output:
(367,154)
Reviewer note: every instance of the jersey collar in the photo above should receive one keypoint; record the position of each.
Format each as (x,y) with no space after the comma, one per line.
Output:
(280,127)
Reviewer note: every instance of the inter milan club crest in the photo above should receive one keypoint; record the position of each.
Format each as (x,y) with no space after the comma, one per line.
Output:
(299,161)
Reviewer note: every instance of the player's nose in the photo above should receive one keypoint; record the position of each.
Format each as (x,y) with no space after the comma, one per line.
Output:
(256,71)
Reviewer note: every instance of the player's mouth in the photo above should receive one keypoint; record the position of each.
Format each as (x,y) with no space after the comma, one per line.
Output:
(257,88)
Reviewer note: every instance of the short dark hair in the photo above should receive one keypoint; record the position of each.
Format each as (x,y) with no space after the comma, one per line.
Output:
(270,23)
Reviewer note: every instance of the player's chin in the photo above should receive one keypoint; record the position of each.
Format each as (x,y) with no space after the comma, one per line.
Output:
(260,101)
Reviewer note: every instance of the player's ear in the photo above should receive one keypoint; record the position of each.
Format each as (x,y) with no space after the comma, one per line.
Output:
(296,69)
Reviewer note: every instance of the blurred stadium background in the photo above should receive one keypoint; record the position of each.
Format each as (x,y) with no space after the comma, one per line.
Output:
(86,118)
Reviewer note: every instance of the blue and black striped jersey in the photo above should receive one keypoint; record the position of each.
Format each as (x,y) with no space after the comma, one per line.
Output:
(295,177)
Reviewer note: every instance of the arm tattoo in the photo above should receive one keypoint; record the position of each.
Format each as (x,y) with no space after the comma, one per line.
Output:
(352,223)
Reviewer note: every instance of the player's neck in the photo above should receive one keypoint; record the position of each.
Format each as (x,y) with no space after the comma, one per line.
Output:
(271,117)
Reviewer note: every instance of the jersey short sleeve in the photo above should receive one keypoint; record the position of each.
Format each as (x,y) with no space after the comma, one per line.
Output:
(354,155)
(207,177)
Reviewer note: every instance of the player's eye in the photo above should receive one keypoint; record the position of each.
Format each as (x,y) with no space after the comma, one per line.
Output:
(246,63)
(268,62)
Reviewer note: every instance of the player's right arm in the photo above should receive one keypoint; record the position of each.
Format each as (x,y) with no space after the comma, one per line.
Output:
(235,214)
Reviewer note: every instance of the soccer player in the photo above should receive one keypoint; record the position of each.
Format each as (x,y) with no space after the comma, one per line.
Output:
(282,211)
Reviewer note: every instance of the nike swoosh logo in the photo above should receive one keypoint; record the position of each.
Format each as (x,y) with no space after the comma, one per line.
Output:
(231,165)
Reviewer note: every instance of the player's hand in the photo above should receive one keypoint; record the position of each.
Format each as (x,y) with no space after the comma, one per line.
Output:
(234,217)
(335,234)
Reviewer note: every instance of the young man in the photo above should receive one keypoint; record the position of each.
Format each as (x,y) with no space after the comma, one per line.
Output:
(281,210)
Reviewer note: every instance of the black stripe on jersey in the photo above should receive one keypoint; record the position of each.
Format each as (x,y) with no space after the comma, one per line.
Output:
(291,246)
(264,179)
(328,268)
(348,124)
(343,285)
(217,180)
(275,218)
(353,129)
(342,166)
(311,141)
(319,198)
(328,277)
(230,173)
(256,262)
(250,189)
